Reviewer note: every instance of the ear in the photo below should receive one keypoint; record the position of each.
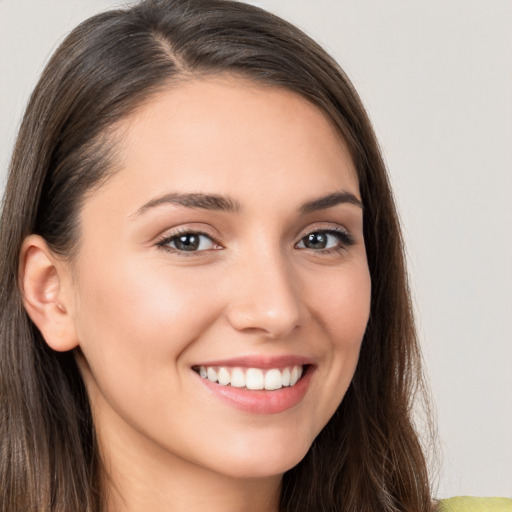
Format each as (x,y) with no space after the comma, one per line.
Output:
(45,285)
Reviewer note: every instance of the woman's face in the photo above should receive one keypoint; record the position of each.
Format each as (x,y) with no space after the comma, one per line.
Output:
(228,247)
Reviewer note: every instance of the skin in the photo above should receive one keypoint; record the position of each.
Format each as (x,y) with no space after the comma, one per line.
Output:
(143,314)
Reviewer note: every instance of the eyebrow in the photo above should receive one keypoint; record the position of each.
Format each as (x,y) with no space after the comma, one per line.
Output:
(325,202)
(194,201)
(227,204)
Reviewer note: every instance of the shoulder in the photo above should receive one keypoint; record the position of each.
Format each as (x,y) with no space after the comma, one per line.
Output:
(472,504)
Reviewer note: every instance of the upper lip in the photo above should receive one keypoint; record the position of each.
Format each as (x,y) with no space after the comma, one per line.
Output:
(260,361)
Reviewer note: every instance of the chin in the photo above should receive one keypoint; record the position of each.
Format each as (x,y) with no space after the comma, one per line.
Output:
(258,462)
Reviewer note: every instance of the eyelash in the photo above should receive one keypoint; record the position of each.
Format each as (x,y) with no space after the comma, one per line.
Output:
(167,239)
(345,240)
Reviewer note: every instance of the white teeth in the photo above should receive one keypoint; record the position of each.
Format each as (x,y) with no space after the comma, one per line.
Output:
(273,380)
(223,377)
(294,376)
(252,378)
(212,374)
(238,378)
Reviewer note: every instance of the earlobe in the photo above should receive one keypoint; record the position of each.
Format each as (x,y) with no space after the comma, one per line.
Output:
(42,277)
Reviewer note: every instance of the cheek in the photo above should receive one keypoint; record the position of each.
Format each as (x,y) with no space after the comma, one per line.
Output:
(132,315)
(350,312)
(341,303)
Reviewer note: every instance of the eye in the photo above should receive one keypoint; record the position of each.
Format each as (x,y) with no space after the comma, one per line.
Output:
(188,242)
(325,240)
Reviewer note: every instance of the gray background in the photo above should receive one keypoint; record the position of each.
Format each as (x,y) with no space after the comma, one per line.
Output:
(436,77)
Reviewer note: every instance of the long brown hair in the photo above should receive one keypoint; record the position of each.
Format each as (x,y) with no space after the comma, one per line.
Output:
(368,457)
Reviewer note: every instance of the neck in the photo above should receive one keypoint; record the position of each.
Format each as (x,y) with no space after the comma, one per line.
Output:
(175,491)
(139,477)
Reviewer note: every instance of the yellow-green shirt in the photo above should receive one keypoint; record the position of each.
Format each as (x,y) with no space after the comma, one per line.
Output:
(472,504)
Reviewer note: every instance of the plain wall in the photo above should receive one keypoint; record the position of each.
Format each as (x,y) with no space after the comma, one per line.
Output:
(436,78)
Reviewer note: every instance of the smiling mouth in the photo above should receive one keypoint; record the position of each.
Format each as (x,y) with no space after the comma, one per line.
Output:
(253,378)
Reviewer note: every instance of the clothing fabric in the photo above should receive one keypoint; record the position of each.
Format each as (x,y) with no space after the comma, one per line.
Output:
(473,504)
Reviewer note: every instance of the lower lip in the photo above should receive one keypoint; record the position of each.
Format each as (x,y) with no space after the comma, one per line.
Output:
(262,401)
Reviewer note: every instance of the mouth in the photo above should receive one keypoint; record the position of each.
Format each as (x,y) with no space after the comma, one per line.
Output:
(258,384)
(269,379)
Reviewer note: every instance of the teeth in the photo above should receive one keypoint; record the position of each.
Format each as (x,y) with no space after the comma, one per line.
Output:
(273,380)
(294,377)
(212,374)
(223,377)
(286,377)
(237,378)
(252,378)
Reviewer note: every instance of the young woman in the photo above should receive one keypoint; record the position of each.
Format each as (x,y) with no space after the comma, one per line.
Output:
(204,298)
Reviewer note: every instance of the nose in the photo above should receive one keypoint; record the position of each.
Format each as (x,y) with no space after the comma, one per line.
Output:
(265,298)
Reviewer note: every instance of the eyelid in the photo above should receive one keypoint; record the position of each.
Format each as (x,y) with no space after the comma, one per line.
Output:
(329,226)
(346,239)
(169,235)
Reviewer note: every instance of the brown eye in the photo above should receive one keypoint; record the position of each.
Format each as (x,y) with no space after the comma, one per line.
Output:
(316,241)
(325,240)
(189,242)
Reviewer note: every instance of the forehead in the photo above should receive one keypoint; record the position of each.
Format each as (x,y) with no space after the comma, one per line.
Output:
(232,137)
